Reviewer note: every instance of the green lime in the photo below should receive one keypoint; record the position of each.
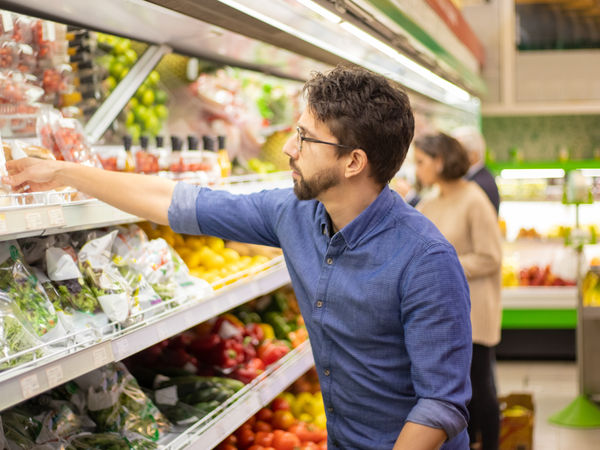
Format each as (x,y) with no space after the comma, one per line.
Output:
(147,97)
(123,73)
(123,60)
(161,111)
(141,113)
(151,122)
(121,46)
(115,68)
(131,55)
(160,96)
(133,102)
(139,94)
(153,78)
(110,82)
(130,118)
(135,131)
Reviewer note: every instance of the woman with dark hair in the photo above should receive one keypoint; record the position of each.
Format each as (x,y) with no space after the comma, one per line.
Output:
(464,215)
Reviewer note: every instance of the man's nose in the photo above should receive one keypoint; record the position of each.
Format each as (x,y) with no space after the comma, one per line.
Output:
(290,147)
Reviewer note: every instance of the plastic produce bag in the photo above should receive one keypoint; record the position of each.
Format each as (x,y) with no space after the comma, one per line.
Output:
(19,284)
(109,287)
(15,87)
(14,338)
(116,403)
(20,429)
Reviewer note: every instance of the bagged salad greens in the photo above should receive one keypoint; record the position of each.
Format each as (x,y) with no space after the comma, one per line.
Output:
(71,319)
(116,403)
(103,277)
(19,284)
(20,429)
(14,337)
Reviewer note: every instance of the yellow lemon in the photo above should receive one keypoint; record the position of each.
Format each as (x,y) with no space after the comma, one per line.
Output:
(215,243)
(230,255)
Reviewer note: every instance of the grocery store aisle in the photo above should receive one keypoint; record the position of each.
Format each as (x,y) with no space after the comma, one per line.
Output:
(553,385)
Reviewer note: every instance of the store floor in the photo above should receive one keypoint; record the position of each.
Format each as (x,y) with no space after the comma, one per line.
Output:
(553,385)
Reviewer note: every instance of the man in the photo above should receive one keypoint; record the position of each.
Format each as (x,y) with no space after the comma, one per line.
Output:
(382,293)
(472,141)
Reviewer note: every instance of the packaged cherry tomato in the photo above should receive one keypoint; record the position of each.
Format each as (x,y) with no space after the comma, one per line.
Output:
(16,87)
(45,131)
(8,55)
(23,29)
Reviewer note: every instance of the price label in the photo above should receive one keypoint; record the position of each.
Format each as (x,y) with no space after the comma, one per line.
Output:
(7,22)
(54,375)
(162,332)
(48,31)
(56,216)
(122,348)
(30,386)
(33,221)
(3,226)
(189,319)
(100,357)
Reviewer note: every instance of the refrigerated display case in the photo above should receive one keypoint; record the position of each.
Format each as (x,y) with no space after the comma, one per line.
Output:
(163,31)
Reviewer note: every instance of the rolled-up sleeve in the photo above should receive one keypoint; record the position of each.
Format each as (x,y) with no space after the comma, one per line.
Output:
(250,218)
(436,320)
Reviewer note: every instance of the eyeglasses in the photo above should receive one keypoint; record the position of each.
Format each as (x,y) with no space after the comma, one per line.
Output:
(300,139)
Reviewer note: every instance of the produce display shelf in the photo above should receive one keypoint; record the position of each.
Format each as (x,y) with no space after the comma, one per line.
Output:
(82,354)
(212,429)
(533,297)
(566,165)
(43,219)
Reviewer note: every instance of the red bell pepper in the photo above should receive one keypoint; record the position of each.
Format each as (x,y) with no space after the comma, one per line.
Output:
(271,350)
(249,371)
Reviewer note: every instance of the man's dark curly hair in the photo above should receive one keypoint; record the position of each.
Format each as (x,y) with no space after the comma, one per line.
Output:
(364,110)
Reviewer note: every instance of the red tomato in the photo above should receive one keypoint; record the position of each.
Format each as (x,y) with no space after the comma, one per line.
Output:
(286,441)
(245,438)
(226,447)
(262,426)
(256,447)
(308,432)
(264,414)
(263,438)
(323,445)
(283,419)
(309,446)
(280,403)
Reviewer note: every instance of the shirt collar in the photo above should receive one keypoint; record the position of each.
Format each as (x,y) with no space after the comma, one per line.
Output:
(364,222)
(474,169)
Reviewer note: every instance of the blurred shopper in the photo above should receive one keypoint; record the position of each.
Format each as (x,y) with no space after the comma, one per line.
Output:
(472,141)
(463,214)
(382,292)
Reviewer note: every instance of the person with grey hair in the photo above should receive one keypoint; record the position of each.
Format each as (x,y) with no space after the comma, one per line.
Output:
(472,141)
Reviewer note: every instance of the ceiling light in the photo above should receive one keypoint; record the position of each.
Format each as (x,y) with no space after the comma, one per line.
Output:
(323,12)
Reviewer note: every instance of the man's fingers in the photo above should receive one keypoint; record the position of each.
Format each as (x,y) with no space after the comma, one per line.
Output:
(17,179)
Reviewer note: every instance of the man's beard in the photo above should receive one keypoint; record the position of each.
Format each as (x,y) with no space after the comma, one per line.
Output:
(318,183)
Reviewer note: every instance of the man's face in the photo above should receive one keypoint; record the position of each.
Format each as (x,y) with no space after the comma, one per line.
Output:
(315,168)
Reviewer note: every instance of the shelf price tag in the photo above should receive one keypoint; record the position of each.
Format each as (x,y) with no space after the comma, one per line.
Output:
(56,216)
(33,221)
(100,357)
(54,375)
(122,348)
(30,386)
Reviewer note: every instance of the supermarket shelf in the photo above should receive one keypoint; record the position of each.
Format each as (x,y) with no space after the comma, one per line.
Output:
(30,379)
(24,221)
(591,313)
(210,431)
(565,165)
(539,297)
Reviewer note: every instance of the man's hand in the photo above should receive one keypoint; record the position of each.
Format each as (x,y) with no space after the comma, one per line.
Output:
(32,174)
(419,437)
(141,195)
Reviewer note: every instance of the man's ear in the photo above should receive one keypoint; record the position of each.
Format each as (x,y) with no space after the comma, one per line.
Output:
(356,163)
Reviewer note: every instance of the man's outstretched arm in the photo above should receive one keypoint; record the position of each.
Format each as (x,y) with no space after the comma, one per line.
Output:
(142,195)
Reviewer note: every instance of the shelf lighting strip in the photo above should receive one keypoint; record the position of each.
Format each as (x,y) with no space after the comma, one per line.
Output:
(515,174)
(386,60)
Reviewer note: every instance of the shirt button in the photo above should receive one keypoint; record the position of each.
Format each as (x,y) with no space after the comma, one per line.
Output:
(319,303)
(326,372)
(324,230)
(329,261)
(330,409)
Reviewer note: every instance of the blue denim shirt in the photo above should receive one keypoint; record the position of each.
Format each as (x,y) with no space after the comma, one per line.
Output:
(385,302)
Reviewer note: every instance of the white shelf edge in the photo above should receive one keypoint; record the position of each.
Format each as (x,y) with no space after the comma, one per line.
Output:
(20,385)
(296,363)
(21,222)
(539,297)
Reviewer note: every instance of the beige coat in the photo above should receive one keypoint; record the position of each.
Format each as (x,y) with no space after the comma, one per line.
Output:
(468,220)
